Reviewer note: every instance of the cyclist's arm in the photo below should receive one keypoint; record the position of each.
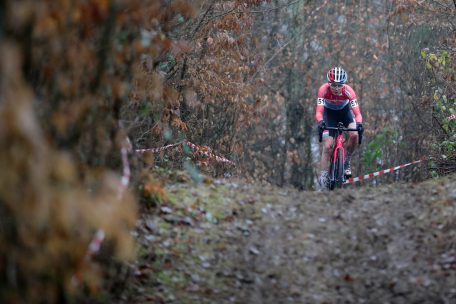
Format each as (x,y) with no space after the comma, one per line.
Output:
(356,110)
(320,109)
(350,93)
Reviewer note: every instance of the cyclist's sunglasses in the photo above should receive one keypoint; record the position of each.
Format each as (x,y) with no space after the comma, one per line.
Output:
(336,85)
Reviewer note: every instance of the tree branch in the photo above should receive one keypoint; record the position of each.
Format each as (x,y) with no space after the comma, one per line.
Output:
(278,7)
(272,57)
(105,47)
(202,18)
(257,12)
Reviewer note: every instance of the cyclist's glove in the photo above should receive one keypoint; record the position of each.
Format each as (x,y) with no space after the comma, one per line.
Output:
(321,125)
(360,128)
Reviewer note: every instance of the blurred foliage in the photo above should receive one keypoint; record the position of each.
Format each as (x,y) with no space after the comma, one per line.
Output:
(373,155)
(48,216)
(66,69)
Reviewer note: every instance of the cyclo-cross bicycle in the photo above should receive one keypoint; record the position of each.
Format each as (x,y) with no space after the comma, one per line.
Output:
(336,166)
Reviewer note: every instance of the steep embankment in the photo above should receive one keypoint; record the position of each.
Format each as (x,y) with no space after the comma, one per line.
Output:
(231,242)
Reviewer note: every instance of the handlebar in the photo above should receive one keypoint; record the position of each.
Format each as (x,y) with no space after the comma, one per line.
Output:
(340,128)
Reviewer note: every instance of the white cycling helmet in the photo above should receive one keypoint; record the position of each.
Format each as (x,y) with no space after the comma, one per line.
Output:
(337,75)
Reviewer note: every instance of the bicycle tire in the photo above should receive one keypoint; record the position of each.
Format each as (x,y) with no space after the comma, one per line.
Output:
(339,170)
(332,175)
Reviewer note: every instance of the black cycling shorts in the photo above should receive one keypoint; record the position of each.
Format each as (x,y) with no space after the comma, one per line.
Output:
(333,117)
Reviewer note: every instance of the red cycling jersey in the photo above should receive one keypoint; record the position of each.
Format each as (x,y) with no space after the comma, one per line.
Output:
(327,99)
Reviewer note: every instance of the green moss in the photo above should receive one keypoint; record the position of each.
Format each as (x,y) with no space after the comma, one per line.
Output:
(170,278)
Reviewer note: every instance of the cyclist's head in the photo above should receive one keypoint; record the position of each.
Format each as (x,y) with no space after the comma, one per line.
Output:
(337,76)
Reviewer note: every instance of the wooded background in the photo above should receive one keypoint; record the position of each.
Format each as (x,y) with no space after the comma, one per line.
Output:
(239,77)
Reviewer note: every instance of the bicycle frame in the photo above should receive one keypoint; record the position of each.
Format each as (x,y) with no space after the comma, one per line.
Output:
(336,168)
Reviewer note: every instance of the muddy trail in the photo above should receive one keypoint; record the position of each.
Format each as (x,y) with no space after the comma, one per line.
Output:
(226,241)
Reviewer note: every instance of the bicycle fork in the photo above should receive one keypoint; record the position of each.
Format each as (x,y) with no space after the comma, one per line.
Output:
(339,146)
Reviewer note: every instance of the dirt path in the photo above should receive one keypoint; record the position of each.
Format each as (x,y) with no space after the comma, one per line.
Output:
(229,242)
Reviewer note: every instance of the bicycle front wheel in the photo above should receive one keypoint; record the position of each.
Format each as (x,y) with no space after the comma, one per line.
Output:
(339,170)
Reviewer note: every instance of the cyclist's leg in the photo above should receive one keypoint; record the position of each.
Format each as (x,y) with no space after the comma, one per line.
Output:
(328,143)
(352,139)
(327,147)
(352,142)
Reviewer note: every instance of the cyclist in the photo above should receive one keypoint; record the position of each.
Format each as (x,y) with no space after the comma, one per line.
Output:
(336,102)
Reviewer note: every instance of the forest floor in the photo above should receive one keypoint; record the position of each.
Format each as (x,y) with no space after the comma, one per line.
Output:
(228,241)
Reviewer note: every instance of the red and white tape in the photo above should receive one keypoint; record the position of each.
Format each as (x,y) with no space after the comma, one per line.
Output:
(125,180)
(157,150)
(95,244)
(378,173)
(202,150)
(98,238)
